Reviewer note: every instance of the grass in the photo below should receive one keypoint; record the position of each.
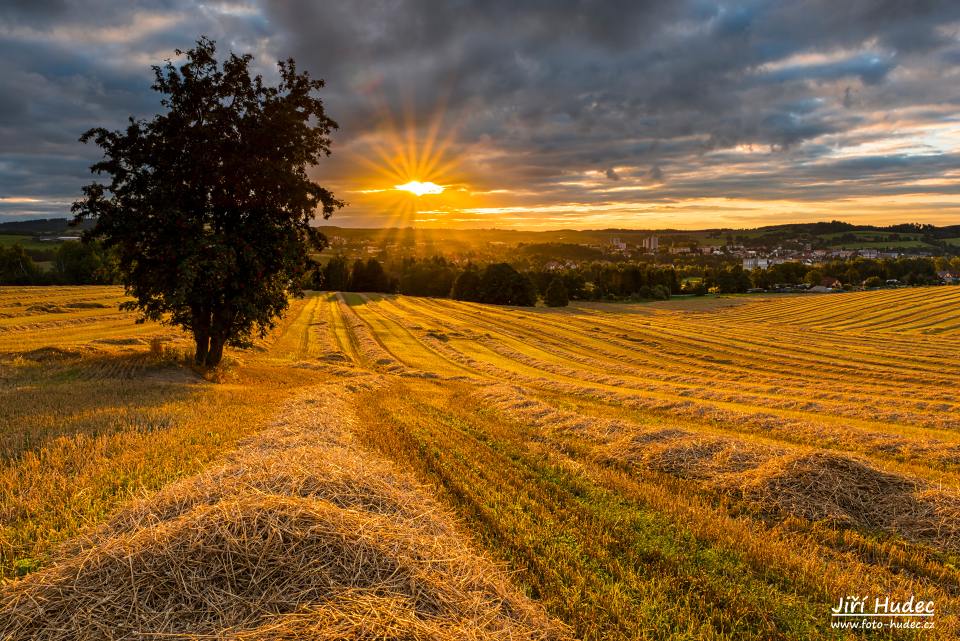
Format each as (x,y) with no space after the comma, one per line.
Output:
(711,468)
(300,535)
(28,242)
(617,552)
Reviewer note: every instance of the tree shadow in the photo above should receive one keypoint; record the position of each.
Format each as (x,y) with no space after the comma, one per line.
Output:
(54,392)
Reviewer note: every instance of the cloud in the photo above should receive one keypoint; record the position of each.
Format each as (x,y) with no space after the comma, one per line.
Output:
(758,101)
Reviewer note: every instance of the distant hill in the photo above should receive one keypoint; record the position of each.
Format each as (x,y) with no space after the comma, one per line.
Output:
(568,242)
(819,234)
(43,227)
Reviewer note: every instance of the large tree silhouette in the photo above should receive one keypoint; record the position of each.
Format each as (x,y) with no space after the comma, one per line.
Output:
(209,203)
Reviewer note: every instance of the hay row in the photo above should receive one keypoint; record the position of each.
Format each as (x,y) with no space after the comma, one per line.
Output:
(298,534)
(927,451)
(815,485)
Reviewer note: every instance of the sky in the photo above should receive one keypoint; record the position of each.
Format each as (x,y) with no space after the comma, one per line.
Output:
(543,114)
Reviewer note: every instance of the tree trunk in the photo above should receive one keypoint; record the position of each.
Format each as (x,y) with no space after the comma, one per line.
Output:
(221,322)
(216,349)
(202,339)
(201,336)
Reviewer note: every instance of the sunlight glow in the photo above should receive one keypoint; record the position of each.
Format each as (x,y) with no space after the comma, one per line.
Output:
(418,188)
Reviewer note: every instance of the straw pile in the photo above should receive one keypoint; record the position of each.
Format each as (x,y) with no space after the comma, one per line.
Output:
(822,486)
(775,480)
(299,534)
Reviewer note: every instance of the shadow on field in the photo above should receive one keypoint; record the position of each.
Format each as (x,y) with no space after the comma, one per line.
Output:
(53,392)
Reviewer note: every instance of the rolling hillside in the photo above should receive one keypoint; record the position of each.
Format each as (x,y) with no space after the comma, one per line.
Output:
(702,468)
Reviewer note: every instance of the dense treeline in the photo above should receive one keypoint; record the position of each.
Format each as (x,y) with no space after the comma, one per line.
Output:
(850,273)
(501,283)
(498,283)
(72,263)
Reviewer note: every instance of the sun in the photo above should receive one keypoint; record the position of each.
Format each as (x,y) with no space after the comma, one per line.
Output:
(414,167)
(418,188)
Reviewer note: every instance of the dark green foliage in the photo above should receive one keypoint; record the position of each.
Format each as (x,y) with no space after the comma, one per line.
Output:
(433,277)
(631,280)
(697,288)
(572,279)
(559,251)
(16,267)
(501,284)
(730,280)
(209,203)
(368,277)
(336,274)
(556,294)
(84,264)
(467,285)
(813,277)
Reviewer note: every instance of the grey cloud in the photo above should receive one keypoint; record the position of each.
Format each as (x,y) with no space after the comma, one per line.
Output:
(559,87)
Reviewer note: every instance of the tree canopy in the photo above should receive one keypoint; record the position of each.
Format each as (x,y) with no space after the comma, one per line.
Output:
(501,284)
(209,202)
(556,294)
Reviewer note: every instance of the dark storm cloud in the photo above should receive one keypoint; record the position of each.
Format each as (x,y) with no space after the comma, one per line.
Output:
(625,94)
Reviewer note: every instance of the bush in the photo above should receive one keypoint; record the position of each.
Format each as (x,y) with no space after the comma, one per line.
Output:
(501,284)
(556,294)
(17,268)
(467,285)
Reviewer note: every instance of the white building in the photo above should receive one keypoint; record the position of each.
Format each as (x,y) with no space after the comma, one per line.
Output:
(651,244)
(753,262)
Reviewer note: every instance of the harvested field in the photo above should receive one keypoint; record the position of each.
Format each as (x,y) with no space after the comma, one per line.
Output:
(299,534)
(714,468)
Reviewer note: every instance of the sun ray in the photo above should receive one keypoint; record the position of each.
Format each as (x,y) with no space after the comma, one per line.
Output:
(411,158)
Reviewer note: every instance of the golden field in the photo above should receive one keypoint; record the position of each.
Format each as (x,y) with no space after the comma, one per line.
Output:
(712,468)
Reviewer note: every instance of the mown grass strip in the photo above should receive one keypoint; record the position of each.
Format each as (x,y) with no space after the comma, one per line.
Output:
(599,560)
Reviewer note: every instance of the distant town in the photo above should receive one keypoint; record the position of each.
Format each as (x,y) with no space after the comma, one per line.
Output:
(824,256)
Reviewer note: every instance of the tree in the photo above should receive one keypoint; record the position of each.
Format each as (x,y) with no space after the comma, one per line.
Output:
(358,281)
(83,264)
(209,204)
(433,277)
(467,285)
(852,276)
(813,277)
(501,284)
(377,279)
(336,274)
(732,280)
(556,294)
(17,268)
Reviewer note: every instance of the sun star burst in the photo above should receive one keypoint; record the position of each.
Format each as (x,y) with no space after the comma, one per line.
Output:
(418,188)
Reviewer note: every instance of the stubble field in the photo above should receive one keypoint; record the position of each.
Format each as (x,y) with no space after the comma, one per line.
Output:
(703,468)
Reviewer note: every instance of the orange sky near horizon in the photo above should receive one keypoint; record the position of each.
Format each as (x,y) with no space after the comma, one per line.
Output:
(373,175)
